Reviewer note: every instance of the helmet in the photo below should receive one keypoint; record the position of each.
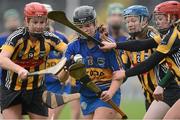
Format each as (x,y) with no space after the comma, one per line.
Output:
(168,7)
(136,10)
(139,11)
(34,9)
(115,8)
(84,15)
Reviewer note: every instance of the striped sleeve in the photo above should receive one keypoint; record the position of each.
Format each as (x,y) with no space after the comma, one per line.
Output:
(168,41)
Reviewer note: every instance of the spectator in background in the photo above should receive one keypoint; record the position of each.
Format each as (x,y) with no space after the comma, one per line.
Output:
(115,22)
(11,19)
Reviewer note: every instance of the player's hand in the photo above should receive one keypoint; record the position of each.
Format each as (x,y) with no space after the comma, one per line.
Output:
(107,45)
(103,30)
(158,93)
(119,75)
(22,73)
(106,95)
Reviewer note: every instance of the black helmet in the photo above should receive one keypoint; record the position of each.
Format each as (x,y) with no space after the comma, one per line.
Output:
(83,15)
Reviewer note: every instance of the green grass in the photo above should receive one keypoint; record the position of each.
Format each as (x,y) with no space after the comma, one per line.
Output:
(135,109)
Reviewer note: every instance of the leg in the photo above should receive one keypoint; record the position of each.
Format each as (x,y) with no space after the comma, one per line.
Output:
(33,105)
(54,113)
(75,107)
(13,112)
(11,104)
(173,113)
(104,113)
(88,117)
(36,116)
(156,110)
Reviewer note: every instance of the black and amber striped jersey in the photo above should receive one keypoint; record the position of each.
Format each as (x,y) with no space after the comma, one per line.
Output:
(31,55)
(170,45)
(148,79)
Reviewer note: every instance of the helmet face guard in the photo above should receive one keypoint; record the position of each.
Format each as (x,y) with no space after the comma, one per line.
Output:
(137,11)
(168,9)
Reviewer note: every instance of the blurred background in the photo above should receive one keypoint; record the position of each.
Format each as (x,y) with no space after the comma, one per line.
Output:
(69,5)
(132,94)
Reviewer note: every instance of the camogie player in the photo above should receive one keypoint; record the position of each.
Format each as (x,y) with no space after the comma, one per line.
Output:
(99,66)
(28,47)
(137,20)
(166,16)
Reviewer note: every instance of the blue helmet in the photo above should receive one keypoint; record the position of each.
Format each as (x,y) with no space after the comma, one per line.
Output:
(136,10)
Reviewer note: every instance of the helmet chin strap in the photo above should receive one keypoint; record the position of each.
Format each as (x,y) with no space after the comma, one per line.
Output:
(36,35)
(163,31)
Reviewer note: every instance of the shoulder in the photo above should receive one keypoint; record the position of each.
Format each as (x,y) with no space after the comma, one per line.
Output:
(17,35)
(20,32)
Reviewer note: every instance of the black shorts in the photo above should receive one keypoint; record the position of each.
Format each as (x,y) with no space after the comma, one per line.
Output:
(31,101)
(171,96)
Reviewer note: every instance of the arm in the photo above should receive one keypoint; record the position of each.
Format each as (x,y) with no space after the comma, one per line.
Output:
(63,75)
(146,65)
(137,45)
(166,79)
(131,45)
(6,63)
(158,92)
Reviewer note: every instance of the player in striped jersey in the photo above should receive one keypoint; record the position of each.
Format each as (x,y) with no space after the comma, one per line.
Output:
(137,17)
(165,15)
(28,47)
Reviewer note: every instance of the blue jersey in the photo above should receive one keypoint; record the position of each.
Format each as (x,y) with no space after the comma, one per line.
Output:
(3,38)
(99,64)
(54,57)
(121,39)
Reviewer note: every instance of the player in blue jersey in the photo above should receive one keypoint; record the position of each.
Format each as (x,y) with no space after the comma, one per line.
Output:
(99,65)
